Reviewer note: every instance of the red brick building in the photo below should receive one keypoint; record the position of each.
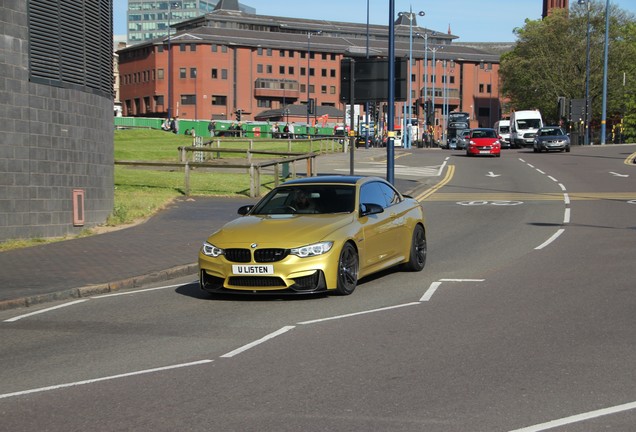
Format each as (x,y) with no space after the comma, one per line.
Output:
(227,61)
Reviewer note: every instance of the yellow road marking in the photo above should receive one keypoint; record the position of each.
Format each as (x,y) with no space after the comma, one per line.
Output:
(630,159)
(449,175)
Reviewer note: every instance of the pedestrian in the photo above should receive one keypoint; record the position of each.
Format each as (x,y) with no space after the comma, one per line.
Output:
(291,131)
(211,126)
(174,125)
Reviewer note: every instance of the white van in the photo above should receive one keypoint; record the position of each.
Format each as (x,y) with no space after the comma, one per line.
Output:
(503,132)
(523,127)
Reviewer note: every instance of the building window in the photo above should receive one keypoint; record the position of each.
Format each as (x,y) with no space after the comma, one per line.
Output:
(224,74)
(332,90)
(323,72)
(303,88)
(323,89)
(219,100)
(332,73)
(193,47)
(481,88)
(223,48)
(489,89)
(290,70)
(259,51)
(270,69)
(159,48)
(312,72)
(182,72)
(215,73)
(324,56)
(158,100)
(269,52)
(264,103)
(188,99)
(259,68)
(303,71)
(333,57)
(281,70)
(182,47)
(311,89)
(193,72)
(291,54)
(214,48)
(282,53)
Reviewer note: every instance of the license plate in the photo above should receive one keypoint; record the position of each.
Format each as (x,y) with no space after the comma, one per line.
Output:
(253,269)
(484,152)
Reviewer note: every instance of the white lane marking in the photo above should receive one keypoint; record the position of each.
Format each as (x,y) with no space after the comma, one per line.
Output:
(553,179)
(112,377)
(578,418)
(358,313)
(566,216)
(562,186)
(136,291)
(462,280)
(258,342)
(542,172)
(551,239)
(435,285)
(430,291)
(90,298)
(44,310)
(441,168)
(566,198)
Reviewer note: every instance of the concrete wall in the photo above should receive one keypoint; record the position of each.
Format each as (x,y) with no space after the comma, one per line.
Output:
(52,140)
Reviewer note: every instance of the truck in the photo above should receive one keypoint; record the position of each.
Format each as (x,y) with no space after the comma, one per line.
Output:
(523,127)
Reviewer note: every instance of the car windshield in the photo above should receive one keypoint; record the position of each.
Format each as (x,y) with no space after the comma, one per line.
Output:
(504,129)
(551,132)
(483,133)
(308,199)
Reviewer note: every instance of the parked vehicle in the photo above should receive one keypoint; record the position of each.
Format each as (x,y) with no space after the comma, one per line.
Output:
(503,131)
(483,142)
(551,138)
(462,139)
(523,127)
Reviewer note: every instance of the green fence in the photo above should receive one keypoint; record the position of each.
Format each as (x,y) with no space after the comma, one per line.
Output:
(249,129)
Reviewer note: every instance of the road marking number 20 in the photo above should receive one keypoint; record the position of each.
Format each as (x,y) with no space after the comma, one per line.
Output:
(495,203)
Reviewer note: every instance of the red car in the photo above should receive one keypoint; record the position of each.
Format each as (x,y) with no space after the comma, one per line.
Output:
(483,141)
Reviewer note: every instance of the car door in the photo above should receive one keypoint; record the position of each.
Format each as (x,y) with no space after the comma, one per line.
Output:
(382,231)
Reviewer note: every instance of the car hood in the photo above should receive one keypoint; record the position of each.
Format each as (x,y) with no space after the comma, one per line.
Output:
(281,231)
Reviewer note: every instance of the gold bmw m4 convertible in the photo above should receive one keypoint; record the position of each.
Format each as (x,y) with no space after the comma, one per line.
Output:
(315,235)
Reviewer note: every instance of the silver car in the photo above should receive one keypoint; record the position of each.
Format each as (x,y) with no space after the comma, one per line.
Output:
(551,138)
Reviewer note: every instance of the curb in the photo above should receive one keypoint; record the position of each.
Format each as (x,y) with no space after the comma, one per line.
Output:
(92,290)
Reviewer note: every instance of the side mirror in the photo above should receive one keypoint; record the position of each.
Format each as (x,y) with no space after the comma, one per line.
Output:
(367,209)
(244,209)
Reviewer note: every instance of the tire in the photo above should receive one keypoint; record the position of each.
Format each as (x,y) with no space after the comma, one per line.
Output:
(348,266)
(417,257)
(567,149)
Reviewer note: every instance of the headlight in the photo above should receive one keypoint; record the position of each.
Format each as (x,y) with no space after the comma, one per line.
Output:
(211,250)
(312,249)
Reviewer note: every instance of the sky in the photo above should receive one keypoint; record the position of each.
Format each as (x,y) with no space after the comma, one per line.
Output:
(470,20)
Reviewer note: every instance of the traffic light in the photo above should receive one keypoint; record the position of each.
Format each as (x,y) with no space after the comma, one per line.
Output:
(311,106)
(430,113)
(416,110)
(238,114)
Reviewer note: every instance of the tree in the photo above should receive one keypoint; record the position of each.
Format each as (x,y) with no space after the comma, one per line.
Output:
(549,60)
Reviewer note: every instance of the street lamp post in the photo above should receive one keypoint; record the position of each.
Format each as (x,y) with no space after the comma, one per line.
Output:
(425,91)
(605,58)
(308,71)
(170,6)
(409,110)
(586,122)
(433,75)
